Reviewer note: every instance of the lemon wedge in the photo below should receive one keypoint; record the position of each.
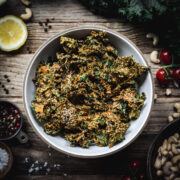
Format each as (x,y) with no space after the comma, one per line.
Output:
(13,33)
(2,2)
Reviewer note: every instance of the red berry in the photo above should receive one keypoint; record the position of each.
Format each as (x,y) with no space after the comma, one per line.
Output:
(176,74)
(141,176)
(18,124)
(161,76)
(126,178)
(165,57)
(135,164)
(10,133)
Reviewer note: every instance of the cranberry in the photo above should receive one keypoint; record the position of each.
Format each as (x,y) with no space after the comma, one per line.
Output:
(176,74)
(141,176)
(161,76)
(135,164)
(165,56)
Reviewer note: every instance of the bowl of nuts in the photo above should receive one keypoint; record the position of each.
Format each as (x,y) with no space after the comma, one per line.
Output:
(163,160)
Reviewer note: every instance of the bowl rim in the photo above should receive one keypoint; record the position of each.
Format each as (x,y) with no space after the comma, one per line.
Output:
(152,146)
(32,62)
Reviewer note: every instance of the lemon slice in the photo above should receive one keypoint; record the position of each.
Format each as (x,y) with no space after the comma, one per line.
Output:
(13,33)
(2,2)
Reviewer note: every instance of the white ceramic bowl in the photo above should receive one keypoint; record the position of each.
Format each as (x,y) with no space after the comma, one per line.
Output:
(125,48)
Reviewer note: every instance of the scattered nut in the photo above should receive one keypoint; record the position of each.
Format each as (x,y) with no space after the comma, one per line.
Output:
(177,107)
(176,115)
(155,97)
(154,37)
(26,2)
(168,92)
(153,57)
(170,118)
(28,14)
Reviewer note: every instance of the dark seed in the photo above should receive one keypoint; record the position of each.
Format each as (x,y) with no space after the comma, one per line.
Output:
(46,23)
(0,83)
(45,30)
(27,48)
(2,86)
(8,80)
(5,76)
(47,19)
(40,23)
(12,88)
(50,27)
(53,18)
(30,51)
(7,91)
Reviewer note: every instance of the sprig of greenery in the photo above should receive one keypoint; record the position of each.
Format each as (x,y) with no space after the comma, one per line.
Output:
(159,16)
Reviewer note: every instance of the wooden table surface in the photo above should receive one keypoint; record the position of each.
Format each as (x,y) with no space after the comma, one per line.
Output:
(67,14)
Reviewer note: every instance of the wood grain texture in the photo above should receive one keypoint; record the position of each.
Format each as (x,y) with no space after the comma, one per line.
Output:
(68,14)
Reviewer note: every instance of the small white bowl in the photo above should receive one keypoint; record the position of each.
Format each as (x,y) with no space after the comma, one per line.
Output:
(125,48)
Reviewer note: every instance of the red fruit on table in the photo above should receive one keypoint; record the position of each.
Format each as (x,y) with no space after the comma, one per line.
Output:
(135,164)
(126,178)
(176,74)
(141,176)
(165,56)
(161,76)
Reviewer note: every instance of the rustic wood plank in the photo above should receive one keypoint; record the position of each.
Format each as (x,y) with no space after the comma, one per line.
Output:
(68,14)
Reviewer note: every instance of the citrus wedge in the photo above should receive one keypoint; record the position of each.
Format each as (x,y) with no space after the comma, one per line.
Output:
(2,2)
(13,33)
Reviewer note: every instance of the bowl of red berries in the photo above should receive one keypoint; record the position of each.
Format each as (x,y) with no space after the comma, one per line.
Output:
(11,122)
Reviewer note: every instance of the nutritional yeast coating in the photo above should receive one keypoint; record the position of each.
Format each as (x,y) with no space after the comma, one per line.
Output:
(89,94)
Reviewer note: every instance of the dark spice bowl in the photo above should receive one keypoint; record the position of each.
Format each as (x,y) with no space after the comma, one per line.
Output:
(169,130)
(11,122)
(10,161)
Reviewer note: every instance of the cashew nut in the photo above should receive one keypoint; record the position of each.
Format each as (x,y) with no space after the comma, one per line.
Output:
(170,118)
(159,172)
(165,145)
(163,160)
(176,115)
(153,57)
(177,107)
(174,168)
(169,147)
(26,2)
(176,135)
(154,37)
(172,139)
(155,97)
(168,92)
(28,14)
(174,150)
(166,168)
(171,177)
(176,159)
(157,163)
